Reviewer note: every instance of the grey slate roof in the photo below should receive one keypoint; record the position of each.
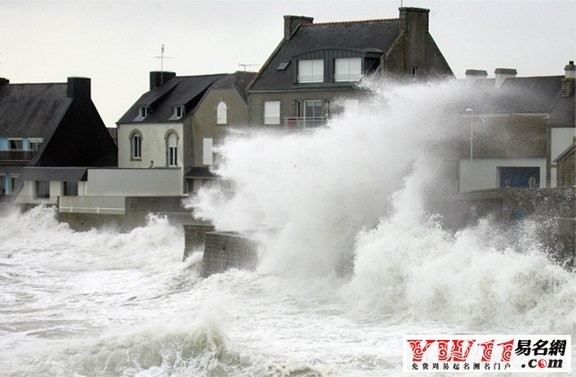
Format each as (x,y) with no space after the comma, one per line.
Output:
(238,80)
(520,95)
(375,36)
(32,110)
(68,174)
(180,90)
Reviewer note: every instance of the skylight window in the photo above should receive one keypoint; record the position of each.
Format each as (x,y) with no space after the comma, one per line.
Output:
(282,66)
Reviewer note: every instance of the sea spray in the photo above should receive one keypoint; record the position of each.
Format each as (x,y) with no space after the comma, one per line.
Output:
(361,189)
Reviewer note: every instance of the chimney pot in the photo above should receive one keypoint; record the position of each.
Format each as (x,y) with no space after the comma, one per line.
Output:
(291,23)
(473,75)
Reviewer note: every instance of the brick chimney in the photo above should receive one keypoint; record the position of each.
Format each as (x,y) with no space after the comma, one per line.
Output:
(569,80)
(473,75)
(502,74)
(79,88)
(158,78)
(291,23)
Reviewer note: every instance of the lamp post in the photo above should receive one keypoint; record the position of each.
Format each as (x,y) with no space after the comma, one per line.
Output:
(470,113)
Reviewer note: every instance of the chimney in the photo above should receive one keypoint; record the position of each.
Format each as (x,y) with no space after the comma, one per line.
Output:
(4,81)
(569,81)
(414,20)
(158,78)
(570,70)
(79,88)
(473,75)
(502,74)
(291,23)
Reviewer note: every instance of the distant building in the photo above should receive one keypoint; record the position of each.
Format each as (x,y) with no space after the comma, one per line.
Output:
(513,129)
(317,67)
(45,129)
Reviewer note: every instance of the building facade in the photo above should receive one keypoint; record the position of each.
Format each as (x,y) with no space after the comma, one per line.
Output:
(50,127)
(317,67)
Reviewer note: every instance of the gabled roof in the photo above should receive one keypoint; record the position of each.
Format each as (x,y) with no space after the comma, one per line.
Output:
(181,90)
(371,36)
(32,110)
(238,81)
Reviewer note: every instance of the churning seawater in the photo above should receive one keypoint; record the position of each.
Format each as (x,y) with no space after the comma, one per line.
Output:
(106,303)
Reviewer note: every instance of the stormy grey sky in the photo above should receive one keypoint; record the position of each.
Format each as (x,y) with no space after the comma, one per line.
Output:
(114,42)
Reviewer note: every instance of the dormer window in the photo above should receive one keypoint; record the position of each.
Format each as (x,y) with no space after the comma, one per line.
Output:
(348,69)
(144,111)
(221,113)
(310,71)
(177,112)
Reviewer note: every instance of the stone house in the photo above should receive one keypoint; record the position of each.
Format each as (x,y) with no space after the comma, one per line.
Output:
(315,66)
(178,121)
(49,134)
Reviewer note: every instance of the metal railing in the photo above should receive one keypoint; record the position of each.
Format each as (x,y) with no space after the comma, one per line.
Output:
(303,123)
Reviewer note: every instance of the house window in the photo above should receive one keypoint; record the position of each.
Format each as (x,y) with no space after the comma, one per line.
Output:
(348,69)
(221,113)
(272,112)
(35,144)
(177,112)
(415,72)
(143,112)
(172,143)
(207,151)
(311,71)
(42,189)
(136,146)
(2,186)
(70,188)
(312,112)
(16,144)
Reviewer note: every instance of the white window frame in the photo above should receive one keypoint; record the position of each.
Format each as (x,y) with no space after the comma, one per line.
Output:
(172,149)
(34,143)
(272,112)
(135,149)
(347,69)
(221,113)
(311,71)
(16,140)
(42,189)
(207,151)
(177,112)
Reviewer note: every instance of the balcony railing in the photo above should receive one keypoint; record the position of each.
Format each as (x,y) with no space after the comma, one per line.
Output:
(303,123)
(16,157)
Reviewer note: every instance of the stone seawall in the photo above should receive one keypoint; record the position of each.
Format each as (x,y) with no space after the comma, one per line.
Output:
(226,250)
(195,238)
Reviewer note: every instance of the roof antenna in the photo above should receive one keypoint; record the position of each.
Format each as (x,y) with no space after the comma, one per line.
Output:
(246,65)
(162,57)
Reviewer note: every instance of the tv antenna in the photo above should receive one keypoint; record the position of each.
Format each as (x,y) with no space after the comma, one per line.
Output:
(246,65)
(162,57)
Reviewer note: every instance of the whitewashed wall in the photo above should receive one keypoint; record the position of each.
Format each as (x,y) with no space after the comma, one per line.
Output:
(482,174)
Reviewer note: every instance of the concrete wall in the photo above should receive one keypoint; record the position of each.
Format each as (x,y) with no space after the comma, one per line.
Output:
(134,182)
(226,250)
(195,237)
(482,174)
(204,123)
(28,193)
(105,205)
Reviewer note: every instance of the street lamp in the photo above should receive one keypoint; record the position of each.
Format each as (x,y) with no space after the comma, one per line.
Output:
(470,113)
